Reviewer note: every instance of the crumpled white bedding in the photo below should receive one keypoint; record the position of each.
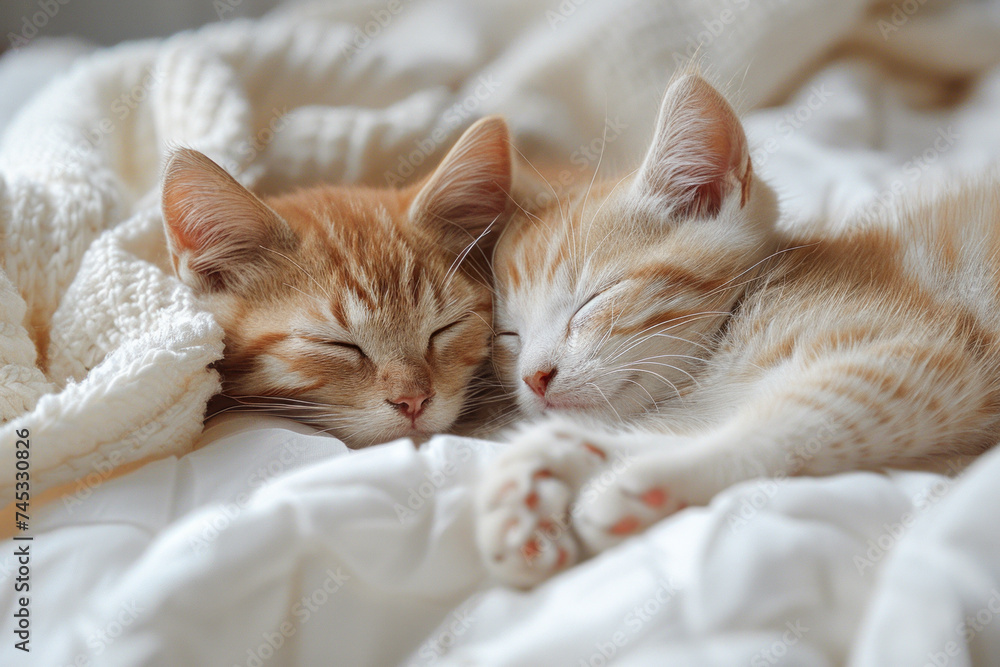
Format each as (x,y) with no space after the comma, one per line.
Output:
(271,546)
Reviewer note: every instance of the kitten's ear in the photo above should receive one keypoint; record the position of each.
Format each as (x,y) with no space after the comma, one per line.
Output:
(469,188)
(699,154)
(217,230)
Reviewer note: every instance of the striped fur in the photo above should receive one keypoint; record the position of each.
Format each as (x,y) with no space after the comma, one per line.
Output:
(363,311)
(720,350)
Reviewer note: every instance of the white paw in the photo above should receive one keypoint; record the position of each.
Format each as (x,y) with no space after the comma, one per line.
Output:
(622,503)
(523,503)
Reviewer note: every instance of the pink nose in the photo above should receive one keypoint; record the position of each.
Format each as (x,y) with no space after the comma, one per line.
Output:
(539,382)
(411,406)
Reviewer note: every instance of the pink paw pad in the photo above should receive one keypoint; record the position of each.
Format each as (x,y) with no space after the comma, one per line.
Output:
(625,526)
(530,550)
(654,497)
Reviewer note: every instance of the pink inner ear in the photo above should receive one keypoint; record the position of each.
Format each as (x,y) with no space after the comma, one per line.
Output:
(217,224)
(700,151)
(469,189)
(486,197)
(724,151)
(185,236)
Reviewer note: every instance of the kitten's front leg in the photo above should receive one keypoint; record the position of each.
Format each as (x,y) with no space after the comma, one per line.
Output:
(895,405)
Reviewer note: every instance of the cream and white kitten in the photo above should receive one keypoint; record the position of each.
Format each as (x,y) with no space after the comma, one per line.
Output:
(716,349)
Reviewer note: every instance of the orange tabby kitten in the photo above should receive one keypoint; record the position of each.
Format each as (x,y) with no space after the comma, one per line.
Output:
(358,310)
(667,302)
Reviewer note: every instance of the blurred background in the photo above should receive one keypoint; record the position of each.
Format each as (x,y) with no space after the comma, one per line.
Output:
(107,22)
(62,30)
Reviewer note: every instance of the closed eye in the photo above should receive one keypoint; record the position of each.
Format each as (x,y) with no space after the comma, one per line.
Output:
(338,343)
(587,302)
(347,346)
(505,333)
(447,327)
(332,342)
